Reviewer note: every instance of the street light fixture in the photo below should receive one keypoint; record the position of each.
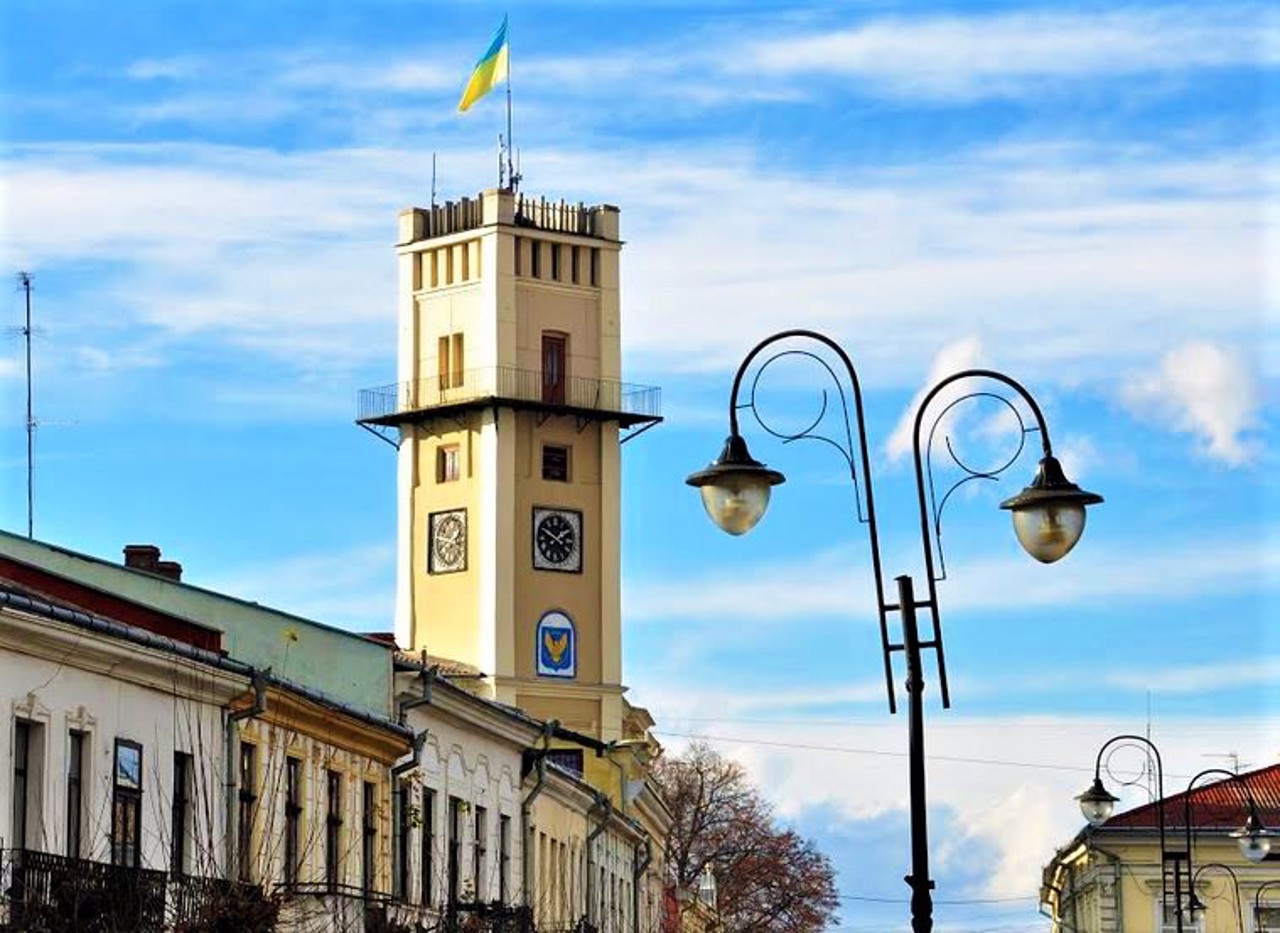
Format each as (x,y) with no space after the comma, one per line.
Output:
(1195,905)
(1048,518)
(1257,904)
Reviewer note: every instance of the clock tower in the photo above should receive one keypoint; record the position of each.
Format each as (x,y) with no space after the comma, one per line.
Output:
(508,415)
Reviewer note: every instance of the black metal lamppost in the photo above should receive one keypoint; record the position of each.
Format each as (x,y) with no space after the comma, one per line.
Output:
(1195,903)
(1097,805)
(1048,519)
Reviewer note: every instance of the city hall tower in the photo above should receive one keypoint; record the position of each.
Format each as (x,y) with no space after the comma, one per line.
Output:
(508,413)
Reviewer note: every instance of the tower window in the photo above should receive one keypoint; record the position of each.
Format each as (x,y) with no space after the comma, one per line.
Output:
(555,463)
(447,463)
(554,353)
(555,262)
(595,267)
(535,259)
(575,255)
(449,361)
(519,255)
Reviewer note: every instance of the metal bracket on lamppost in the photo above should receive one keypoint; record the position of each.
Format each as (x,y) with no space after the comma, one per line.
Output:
(1048,519)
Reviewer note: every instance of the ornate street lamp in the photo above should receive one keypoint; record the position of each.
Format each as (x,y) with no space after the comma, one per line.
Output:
(1048,518)
(1257,905)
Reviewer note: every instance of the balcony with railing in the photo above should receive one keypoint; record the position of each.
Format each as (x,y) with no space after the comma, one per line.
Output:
(42,891)
(595,399)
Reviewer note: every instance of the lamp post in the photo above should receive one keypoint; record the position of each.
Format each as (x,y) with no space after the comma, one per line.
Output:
(1048,519)
(1097,804)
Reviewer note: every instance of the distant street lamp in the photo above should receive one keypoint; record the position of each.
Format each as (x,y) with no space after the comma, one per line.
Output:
(1048,519)
(1257,904)
(1254,839)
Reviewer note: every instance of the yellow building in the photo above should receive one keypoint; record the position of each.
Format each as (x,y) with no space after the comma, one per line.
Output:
(1111,878)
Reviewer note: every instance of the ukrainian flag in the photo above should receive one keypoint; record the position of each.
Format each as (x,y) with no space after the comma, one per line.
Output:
(490,69)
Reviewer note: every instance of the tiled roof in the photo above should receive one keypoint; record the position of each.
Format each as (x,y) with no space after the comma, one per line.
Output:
(1213,805)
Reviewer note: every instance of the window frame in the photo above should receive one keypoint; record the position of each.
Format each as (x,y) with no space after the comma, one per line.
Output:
(333,829)
(292,819)
(479,850)
(247,799)
(126,809)
(368,836)
(427,868)
(504,857)
(180,817)
(454,842)
(22,730)
(553,471)
(77,744)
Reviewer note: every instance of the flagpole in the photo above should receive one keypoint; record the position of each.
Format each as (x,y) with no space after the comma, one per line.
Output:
(511,178)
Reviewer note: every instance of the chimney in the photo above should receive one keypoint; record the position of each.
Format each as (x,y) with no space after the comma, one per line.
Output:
(146,557)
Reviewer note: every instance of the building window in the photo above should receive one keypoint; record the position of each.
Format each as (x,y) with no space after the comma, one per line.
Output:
(248,798)
(575,253)
(554,348)
(447,463)
(75,791)
(479,853)
(292,819)
(555,262)
(333,829)
(1267,918)
(21,780)
(180,825)
(126,804)
(504,858)
(369,836)
(535,258)
(404,804)
(1168,915)
(555,463)
(455,848)
(428,845)
(595,267)
(519,260)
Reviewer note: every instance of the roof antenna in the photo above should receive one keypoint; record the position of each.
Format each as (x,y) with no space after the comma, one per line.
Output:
(433,179)
(24,283)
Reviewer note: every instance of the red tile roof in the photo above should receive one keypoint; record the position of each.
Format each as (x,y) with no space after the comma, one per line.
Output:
(1219,804)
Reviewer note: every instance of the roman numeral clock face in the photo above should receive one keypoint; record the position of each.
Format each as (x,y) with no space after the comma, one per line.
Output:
(448,544)
(557,540)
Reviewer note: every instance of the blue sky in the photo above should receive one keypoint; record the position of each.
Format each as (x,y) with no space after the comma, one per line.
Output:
(1074,194)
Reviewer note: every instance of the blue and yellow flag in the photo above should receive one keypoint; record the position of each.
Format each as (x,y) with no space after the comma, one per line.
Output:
(489,71)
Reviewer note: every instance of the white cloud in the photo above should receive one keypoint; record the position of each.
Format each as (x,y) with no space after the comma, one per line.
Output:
(1206,390)
(954,357)
(351,588)
(1016,54)
(835,583)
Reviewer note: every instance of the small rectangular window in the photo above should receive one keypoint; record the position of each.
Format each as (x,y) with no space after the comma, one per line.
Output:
(595,267)
(555,463)
(442,363)
(333,829)
(555,262)
(447,463)
(575,253)
(126,804)
(519,260)
(428,845)
(247,799)
(292,819)
(75,792)
(369,836)
(180,828)
(535,258)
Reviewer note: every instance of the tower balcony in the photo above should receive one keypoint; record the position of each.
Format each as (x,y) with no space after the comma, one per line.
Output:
(506,386)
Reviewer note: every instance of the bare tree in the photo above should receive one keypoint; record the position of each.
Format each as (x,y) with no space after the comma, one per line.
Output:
(768,878)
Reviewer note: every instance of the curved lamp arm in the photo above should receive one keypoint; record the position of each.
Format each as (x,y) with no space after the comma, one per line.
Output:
(1235,881)
(1147,743)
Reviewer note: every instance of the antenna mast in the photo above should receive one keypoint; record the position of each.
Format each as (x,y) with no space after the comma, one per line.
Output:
(433,179)
(24,282)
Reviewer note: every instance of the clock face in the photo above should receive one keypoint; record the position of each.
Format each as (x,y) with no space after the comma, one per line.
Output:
(448,541)
(557,539)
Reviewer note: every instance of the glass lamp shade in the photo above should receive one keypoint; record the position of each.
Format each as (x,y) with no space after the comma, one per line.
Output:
(1254,839)
(1194,906)
(1097,803)
(735,488)
(1049,531)
(1048,516)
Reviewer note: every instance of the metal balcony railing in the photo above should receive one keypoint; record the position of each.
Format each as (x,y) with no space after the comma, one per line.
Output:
(386,404)
(46,891)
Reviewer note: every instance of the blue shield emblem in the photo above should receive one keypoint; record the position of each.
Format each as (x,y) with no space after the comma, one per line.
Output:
(556,645)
